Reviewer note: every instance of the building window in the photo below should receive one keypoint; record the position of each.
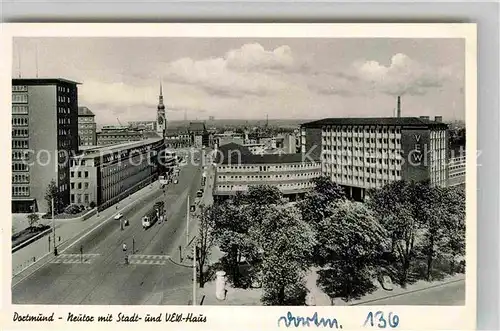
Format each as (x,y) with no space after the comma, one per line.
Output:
(86,185)
(86,173)
(79,174)
(72,185)
(19,98)
(19,88)
(86,198)
(79,185)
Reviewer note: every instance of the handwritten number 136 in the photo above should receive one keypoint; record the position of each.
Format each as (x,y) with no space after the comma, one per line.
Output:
(382,322)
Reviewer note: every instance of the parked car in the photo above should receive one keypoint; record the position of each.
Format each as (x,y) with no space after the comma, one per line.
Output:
(118,216)
(199,194)
(176,181)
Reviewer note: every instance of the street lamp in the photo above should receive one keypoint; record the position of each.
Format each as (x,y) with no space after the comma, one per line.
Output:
(54,227)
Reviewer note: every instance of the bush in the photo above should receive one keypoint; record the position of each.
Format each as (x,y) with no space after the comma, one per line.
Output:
(72,209)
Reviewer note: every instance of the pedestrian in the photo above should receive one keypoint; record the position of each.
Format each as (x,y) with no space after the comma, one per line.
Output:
(124,247)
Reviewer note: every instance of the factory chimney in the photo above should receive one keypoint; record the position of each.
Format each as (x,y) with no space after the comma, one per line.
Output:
(399,107)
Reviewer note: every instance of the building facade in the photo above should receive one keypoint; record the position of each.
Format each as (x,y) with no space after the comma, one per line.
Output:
(86,127)
(367,153)
(115,135)
(177,138)
(143,125)
(237,169)
(199,134)
(44,136)
(456,170)
(106,175)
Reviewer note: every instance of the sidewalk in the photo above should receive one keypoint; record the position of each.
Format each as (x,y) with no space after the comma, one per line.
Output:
(68,230)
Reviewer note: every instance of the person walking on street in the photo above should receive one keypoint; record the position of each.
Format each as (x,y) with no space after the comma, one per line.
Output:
(124,247)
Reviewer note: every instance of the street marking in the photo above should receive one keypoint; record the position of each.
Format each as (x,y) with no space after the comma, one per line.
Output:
(149,259)
(75,258)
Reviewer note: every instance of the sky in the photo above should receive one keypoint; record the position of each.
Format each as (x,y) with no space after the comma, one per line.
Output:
(231,78)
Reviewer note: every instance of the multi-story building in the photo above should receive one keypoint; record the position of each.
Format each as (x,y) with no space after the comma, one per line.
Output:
(199,134)
(44,136)
(143,125)
(106,175)
(177,137)
(456,166)
(238,169)
(366,153)
(113,135)
(86,127)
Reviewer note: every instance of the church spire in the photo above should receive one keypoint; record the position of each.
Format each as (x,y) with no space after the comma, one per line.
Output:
(161,106)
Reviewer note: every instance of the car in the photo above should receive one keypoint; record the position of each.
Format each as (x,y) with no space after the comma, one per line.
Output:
(118,216)
(199,194)
(176,181)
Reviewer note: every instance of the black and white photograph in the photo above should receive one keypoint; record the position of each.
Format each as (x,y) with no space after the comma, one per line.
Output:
(234,171)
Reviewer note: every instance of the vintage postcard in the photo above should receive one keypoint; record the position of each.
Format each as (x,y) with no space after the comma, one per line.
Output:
(219,176)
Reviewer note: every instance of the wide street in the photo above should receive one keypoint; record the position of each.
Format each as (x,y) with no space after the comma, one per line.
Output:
(100,275)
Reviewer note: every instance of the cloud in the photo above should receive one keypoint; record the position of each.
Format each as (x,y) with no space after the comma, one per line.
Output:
(249,70)
(403,76)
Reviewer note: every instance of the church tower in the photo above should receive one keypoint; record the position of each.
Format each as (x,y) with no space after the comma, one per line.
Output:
(161,120)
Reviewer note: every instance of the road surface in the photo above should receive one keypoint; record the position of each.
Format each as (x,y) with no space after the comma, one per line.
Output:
(101,277)
(451,294)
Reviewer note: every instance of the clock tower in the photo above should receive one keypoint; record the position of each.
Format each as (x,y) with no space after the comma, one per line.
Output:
(161,120)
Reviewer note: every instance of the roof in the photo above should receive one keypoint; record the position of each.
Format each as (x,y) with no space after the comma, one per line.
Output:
(176,131)
(84,111)
(396,121)
(42,81)
(100,150)
(197,126)
(236,154)
(150,134)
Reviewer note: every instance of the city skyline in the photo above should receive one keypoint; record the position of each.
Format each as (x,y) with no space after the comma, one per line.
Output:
(281,78)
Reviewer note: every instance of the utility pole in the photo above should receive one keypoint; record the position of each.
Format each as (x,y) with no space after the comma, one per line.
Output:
(54,227)
(194,275)
(187,223)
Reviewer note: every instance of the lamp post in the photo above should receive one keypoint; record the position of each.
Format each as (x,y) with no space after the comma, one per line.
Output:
(54,228)
(187,222)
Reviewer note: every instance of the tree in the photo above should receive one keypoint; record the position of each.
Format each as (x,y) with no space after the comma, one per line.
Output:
(262,195)
(52,192)
(231,230)
(352,242)
(286,248)
(206,237)
(33,220)
(454,224)
(394,207)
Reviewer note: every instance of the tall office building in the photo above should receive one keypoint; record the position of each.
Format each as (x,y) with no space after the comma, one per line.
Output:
(44,136)
(366,153)
(86,127)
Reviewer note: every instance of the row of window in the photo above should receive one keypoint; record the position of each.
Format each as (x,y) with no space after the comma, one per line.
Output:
(20,133)
(63,110)
(63,89)
(22,110)
(293,176)
(86,131)
(19,88)
(19,155)
(269,168)
(64,120)
(355,159)
(330,140)
(19,98)
(78,199)
(455,167)
(367,170)
(20,191)
(80,186)
(19,144)
(360,180)
(282,186)
(20,121)
(350,150)
(79,174)
(457,174)
(20,167)
(61,98)
(20,178)
(361,129)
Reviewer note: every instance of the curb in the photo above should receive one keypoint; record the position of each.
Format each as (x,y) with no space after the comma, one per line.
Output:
(75,238)
(31,240)
(408,292)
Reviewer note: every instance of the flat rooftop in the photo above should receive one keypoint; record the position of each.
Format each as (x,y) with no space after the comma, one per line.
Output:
(92,151)
(391,121)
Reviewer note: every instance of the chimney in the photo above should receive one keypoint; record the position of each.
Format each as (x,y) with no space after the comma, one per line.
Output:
(438,119)
(424,117)
(399,107)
